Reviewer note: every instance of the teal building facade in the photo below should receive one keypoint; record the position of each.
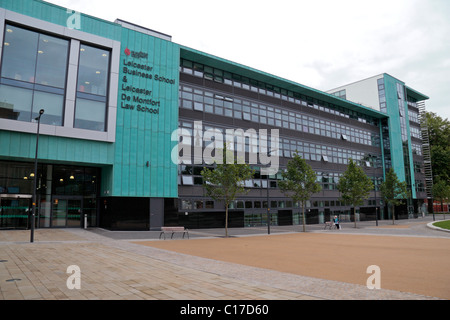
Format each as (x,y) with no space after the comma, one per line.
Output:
(115,94)
(114,118)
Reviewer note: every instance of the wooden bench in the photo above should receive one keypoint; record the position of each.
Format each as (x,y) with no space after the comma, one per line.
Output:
(173,230)
(329,225)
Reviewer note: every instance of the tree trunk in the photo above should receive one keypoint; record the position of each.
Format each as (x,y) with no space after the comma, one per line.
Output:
(393,214)
(303,217)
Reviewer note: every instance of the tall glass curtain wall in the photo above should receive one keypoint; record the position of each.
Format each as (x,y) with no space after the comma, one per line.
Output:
(65,194)
(34,76)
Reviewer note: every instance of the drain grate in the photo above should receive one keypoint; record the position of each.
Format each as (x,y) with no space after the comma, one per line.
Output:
(11,280)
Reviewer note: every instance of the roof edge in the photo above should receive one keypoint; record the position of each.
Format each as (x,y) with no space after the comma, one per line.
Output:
(187,52)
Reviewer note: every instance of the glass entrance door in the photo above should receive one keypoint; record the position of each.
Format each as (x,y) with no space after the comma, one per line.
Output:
(66,212)
(14,212)
(74,218)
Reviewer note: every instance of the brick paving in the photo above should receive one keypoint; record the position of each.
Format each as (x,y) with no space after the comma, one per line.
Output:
(117,269)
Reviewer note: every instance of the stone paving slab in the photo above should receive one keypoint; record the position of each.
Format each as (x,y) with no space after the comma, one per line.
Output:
(118,270)
(114,271)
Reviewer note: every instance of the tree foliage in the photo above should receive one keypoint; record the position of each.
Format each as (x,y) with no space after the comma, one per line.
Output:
(393,191)
(225,181)
(299,182)
(355,186)
(441,191)
(439,134)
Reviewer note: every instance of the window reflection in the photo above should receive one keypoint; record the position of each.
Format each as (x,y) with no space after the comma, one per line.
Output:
(231,106)
(90,110)
(93,70)
(52,104)
(15,103)
(19,54)
(34,69)
(51,61)
(90,115)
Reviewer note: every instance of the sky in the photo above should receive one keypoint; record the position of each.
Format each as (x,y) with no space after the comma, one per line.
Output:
(322,44)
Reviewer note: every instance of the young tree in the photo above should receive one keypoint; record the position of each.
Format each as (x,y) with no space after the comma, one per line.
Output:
(393,191)
(355,186)
(441,191)
(299,182)
(225,181)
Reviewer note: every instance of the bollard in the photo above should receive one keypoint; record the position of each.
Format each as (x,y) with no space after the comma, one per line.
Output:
(85,221)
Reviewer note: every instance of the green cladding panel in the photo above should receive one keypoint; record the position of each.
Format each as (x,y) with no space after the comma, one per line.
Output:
(395,133)
(22,146)
(64,17)
(147,114)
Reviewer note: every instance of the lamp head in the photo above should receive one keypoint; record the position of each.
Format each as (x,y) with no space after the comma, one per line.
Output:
(41,112)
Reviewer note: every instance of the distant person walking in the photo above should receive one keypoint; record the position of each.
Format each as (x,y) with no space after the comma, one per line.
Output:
(336,222)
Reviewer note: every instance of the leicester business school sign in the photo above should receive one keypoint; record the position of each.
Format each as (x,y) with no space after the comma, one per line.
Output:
(134,66)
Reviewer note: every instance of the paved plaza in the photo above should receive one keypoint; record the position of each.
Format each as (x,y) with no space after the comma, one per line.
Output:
(121,265)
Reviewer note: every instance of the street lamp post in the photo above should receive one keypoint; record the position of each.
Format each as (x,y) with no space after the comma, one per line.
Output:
(376,204)
(374,188)
(268,207)
(269,153)
(33,212)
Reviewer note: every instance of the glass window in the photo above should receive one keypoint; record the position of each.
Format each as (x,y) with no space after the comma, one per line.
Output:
(187,180)
(208,108)
(53,106)
(19,54)
(34,67)
(209,100)
(52,62)
(90,114)
(198,97)
(198,204)
(15,103)
(186,204)
(219,111)
(93,70)
(187,104)
(186,95)
(92,87)
(198,106)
